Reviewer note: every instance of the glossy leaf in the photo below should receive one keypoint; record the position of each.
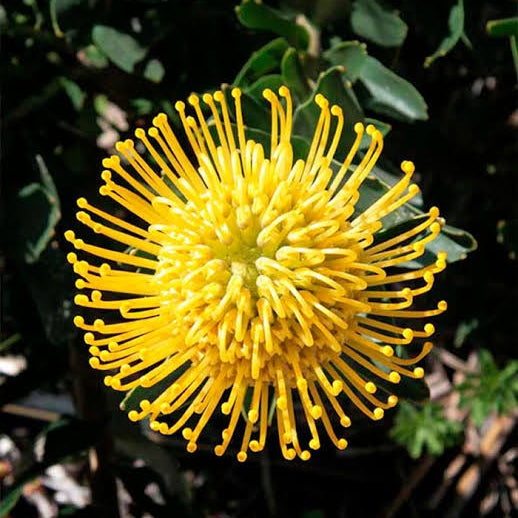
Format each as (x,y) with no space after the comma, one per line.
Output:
(332,87)
(121,49)
(349,54)
(456,28)
(256,15)
(391,94)
(370,20)
(263,61)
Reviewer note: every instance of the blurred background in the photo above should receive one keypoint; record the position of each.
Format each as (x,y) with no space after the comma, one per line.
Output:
(439,79)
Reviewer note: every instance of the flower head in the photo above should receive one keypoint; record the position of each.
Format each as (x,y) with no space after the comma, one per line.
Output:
(251,278)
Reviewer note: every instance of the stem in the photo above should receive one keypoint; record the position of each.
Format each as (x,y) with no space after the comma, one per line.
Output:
(514,50)
(91,404)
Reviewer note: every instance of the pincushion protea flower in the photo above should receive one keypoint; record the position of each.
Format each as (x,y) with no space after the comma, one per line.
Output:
(251,279)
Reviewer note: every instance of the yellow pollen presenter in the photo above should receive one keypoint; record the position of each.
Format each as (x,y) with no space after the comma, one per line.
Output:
(244,287)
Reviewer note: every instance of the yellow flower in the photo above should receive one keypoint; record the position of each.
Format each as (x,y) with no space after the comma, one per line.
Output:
(250,280)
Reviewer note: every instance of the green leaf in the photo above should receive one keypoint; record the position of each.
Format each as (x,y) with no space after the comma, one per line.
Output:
(425,428)
(463,330)
(455,242)
(383,127)
(391,94)
(377,24)
(490,390)
(271,81)
(93,57)
(351,55)
(154,71)
(8,342)
(142,106)
(263,61)
(504,27)
(75,93)
(121,49)
(293,75)
(332,87)
(456,27)
(10,499)
(255,15)
(38,215)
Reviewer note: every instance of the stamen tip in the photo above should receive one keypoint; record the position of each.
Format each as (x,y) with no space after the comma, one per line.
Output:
(242,456)
(133,415)
(370,387)
(378,413)
(419,372)
(341,444)
(191,447)
(407,167)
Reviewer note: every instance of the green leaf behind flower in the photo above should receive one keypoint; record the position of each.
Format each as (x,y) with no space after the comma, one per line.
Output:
(332,87)
(351,55)
(391,94)
(263,61)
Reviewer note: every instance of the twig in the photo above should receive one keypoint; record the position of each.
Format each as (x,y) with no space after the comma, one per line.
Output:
(92,406)
(408,487)
(266,479)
